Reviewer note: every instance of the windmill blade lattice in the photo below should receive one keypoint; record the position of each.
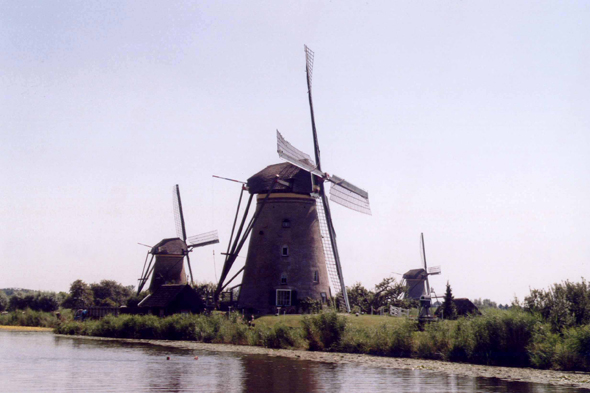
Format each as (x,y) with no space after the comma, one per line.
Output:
(295,156)
(349,199)
(203,239)
(335,283)
(309,55)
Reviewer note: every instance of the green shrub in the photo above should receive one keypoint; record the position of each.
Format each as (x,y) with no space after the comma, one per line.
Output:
(208,328)
(281,336)
(356,340)
(29,318)
(543,347)
(401,344)
(179,327)
(574,352)
(502,338)
(324,331)
(461,345)
(434,342)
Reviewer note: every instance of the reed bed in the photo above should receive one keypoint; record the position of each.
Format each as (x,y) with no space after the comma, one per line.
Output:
(501,338)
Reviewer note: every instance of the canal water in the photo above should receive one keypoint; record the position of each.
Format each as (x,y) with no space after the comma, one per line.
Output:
(42,362)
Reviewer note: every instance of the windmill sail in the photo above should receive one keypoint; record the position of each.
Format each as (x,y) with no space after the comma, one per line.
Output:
(341,192)
(350,199)
(335,283)
(203,239)
(295,156)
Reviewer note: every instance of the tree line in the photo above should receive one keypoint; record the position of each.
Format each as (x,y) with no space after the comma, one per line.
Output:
(106,293)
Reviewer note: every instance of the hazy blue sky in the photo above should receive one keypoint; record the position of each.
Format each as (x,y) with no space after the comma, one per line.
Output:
(466,120)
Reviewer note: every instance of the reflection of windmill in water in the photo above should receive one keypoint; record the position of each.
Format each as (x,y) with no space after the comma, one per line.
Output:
(166,265)
(293,254)
(418,285)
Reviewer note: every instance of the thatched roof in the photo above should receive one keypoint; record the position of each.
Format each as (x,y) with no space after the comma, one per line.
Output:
(164,295)
(299,179)
(465,306)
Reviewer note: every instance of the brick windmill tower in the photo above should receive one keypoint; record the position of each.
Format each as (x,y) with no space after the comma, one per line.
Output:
(292,253)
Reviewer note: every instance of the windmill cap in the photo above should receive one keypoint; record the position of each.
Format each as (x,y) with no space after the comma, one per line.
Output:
(415,274)
(298,180)
(173,246)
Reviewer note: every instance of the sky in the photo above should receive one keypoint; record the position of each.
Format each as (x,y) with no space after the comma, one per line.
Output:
(466,121)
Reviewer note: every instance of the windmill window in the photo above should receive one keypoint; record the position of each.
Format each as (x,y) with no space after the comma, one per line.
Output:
(324,297)
(286,223)
(285,251)
(283,279)
(283,297)
(316,276)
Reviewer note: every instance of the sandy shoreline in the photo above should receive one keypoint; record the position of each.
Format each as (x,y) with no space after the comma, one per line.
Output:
(575,379)
(25,328)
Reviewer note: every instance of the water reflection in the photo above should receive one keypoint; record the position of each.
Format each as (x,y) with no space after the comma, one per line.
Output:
(41,362)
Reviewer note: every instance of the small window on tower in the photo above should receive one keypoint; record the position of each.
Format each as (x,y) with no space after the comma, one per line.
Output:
(316,276)
(286,223)
(324,297)
(283,279)
(285,251)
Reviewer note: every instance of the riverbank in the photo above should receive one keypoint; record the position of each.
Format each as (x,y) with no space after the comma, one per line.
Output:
(25,328)
(562,378)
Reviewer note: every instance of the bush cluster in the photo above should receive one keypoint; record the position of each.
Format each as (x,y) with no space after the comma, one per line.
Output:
(37,301)
(502,338)
(30,317)
(216,328)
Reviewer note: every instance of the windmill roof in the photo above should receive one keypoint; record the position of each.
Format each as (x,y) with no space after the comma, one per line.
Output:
(299,179)
(415,274)
(163,295)
(174,246)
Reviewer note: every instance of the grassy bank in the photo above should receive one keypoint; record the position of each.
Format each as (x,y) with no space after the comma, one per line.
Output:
(502,338)
(33,318)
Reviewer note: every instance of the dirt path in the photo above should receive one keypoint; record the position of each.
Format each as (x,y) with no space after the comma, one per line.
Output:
(575,379)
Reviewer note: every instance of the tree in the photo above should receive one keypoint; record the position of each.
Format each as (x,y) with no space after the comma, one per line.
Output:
(3,301)
(205,290)
(109,293)
(80,296)
(385,293)
(45,301)
(136,298)
(359,296)
(448,308)
(485,303)
(40,301)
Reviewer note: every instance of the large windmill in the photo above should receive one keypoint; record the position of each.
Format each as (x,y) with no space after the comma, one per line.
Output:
(166,265)
(418,284)
(293,254)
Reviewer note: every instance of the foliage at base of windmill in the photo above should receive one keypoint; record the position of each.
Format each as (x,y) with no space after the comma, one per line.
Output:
(310,306)
(386,293)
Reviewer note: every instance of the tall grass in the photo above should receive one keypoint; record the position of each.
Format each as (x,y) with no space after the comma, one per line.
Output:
(501,338)
(29,317)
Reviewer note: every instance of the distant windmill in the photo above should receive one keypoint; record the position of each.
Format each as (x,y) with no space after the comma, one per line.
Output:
(293,252)
(169,254)
(417,283)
